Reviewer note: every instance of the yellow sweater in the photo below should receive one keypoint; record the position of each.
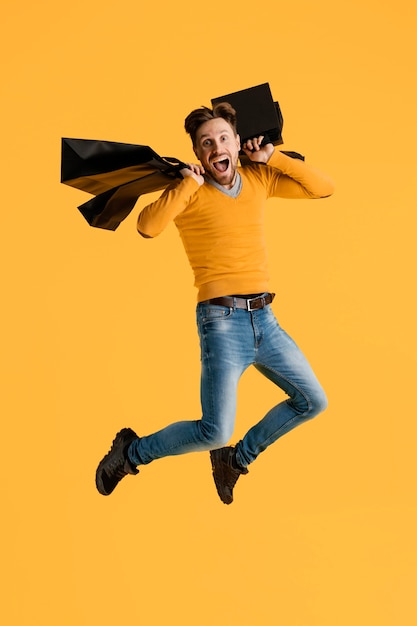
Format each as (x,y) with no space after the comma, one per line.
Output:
(224,236)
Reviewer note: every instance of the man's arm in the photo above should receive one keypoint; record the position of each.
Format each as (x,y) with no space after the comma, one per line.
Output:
(155,217)
(294,178)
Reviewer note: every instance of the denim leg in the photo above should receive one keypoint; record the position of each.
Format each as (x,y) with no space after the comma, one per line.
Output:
(231,340)
(223,360)
(281,361)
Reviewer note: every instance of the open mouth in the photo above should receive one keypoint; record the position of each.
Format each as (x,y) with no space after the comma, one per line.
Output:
(221,166)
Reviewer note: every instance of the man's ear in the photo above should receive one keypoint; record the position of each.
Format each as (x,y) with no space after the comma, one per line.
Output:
(238,141)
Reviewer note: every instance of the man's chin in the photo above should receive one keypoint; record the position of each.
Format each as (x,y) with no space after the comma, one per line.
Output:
(223,178)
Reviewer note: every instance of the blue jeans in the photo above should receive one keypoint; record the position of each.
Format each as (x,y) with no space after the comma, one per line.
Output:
(231,340)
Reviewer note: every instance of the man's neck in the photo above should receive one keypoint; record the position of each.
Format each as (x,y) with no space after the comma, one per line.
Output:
(231,191)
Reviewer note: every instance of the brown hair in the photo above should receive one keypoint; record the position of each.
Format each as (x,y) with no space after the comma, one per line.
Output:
(196,118)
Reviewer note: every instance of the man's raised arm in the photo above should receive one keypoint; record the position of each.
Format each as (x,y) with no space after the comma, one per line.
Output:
(155,217)
(295,179)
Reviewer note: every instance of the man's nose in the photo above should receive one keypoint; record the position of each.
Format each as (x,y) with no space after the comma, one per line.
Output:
(216,146)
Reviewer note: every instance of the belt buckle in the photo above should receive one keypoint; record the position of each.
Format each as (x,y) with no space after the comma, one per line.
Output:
(255,308)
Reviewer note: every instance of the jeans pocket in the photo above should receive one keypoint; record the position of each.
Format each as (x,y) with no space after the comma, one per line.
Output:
(209,313)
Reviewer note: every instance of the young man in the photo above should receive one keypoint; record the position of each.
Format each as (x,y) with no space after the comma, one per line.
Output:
(218,209)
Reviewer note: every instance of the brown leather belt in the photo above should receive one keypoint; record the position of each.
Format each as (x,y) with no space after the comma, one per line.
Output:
(249,304)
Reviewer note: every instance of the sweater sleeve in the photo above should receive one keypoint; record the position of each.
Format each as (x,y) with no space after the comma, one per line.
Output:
(293,178)
(155,217)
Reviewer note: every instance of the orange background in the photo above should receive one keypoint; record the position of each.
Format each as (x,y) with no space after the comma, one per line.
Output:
(98,327)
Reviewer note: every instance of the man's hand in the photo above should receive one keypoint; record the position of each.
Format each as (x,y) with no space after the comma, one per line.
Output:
(257,153)
(195,171)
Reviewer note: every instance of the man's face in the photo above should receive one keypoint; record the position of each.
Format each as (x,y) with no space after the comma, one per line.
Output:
(217,148)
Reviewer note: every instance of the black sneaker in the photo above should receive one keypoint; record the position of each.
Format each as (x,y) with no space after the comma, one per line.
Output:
(224,473)
(116,465)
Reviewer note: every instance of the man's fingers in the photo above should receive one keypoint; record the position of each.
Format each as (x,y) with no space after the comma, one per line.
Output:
(197,169)
(257,142)
(253,145)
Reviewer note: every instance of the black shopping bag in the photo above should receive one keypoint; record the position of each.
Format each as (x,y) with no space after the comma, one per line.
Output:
(257,114)
(116,174)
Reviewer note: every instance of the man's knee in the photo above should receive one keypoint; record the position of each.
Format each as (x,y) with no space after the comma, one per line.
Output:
(308,406)
(215,435)
(317,403)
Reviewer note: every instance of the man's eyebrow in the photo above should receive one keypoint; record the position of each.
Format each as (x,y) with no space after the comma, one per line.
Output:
(222,132)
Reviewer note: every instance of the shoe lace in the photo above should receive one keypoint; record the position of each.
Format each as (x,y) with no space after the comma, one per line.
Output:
(116,469)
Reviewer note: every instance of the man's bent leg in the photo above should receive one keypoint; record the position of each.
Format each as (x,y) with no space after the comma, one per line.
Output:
(282,362)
